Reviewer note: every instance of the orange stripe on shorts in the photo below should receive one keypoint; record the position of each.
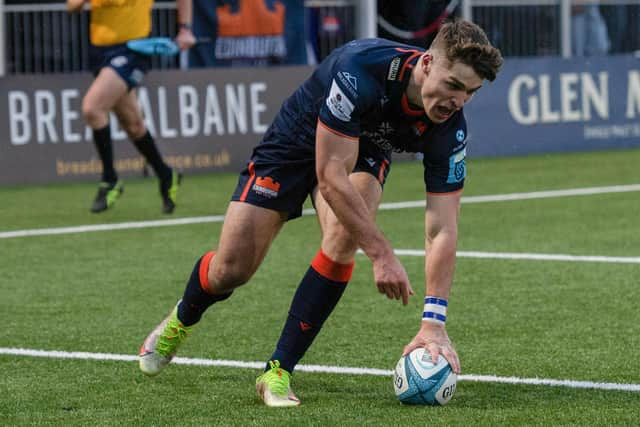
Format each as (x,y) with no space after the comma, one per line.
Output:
(252,176)
(383,167)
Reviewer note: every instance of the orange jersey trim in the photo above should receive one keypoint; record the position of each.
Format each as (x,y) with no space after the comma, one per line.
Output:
(407,64)
(401,49)
(335,132)
(203,271)
(330,269)
(406,108)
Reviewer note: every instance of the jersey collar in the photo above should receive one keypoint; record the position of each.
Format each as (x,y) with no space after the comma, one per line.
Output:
(401,79)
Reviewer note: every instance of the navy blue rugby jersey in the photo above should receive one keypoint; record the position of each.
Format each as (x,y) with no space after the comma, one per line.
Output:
(359,92)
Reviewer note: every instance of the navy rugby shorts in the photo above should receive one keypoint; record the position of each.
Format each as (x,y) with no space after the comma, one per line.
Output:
(131,66)
(280,175)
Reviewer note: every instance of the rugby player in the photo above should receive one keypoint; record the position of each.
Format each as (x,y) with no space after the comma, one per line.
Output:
(333,140)
(118,71)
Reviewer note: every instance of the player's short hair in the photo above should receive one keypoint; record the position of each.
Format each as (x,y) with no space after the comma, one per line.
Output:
(465,42)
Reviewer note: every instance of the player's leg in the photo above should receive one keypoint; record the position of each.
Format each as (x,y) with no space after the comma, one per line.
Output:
(268,193)
(100,98)
(246,236)
(318,292)
(130,117)
(326,279)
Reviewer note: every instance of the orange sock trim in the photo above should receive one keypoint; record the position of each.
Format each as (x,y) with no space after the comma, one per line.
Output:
(203,272)
(330,269)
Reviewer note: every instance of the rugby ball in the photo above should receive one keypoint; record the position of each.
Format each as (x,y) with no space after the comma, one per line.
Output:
(417,381)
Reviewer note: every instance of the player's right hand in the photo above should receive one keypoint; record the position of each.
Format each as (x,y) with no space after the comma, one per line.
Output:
(391,279)
(435,340)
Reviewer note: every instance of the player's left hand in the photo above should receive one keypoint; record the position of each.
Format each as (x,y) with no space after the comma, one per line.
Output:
(391,278)
(435,340)
(185,38)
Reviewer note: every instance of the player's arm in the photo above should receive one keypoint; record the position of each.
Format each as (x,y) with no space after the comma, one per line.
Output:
(441,237)
(185,37)
(75,5)
(336,156)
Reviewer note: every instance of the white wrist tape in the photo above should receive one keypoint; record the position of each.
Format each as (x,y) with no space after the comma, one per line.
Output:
(435,310)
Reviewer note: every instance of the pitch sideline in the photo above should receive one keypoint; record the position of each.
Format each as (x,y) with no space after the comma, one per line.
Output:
(318,368)
(384,206)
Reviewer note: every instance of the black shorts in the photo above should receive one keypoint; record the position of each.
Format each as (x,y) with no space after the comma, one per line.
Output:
(279,176)
(131,66)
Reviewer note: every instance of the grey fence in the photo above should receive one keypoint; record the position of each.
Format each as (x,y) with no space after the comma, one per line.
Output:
(44,38)
(524,28)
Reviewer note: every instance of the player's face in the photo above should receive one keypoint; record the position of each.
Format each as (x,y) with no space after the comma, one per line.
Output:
(447,87)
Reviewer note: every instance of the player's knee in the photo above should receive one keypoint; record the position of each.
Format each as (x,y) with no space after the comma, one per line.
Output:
(339,242)
(93,115)
(135,128)
(226,276)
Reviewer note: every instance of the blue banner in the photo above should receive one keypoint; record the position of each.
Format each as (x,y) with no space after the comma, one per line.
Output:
(545,105)
(248,33)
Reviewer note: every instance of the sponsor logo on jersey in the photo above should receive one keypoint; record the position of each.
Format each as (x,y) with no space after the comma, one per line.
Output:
(349,79)
(119,61)
(350,82)
(393,68)
(370,161)
(457,167)
(339,104)
(381,136)
(419,128)
(266,187)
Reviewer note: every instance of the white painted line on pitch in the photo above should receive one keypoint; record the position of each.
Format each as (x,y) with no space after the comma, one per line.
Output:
(111,227)
(316,368)
(383,206)
(557,383)
(522,196)
(528,256)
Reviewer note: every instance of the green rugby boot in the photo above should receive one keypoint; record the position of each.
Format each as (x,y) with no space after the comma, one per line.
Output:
(274,387)
(108,193)
(162,344)
(169,192)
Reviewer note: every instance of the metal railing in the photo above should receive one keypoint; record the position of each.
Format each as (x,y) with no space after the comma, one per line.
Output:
(543,27)
(44,38)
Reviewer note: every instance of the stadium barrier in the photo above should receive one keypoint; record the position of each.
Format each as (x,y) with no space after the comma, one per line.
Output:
(44,38)
(208,120)
(203,120)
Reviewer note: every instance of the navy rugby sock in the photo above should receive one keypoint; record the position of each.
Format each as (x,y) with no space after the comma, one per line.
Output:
(147,147)
(196,299)
(102,141)
(316,297)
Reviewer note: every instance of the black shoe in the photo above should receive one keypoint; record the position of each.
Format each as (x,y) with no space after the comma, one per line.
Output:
(108,193)
(169,192)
